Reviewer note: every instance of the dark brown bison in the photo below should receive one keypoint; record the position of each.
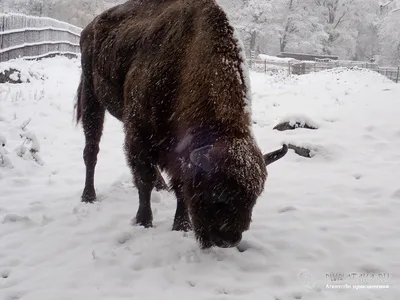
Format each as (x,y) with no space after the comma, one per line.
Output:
(174,73)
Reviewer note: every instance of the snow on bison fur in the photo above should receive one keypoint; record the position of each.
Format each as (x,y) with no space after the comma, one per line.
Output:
(175,74)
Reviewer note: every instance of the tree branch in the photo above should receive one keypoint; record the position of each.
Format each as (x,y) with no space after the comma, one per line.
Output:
(343,15)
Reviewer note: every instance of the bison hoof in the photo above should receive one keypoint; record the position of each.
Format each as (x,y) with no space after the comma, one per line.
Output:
(88,195)
(144,223)
(181,226)
(144,219)
(205,244)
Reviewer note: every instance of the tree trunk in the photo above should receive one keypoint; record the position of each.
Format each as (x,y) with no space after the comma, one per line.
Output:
(253,40)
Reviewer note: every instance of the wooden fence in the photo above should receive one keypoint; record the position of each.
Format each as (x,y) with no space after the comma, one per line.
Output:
(296,67)
(35,37)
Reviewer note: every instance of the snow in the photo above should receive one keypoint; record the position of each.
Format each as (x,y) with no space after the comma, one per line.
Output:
(244,71)
(302,120)
(45,28)
(38,22)
(26,70)
(24,45)
(319,218)
(3,141)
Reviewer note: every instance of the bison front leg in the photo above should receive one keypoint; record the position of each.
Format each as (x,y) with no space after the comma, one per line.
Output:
(145,184)
(145,176)
(181,220)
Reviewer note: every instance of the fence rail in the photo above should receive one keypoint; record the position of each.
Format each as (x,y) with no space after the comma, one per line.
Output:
(35,37)
(296,67)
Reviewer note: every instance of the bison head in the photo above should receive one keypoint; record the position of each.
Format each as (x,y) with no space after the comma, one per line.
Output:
(225,180)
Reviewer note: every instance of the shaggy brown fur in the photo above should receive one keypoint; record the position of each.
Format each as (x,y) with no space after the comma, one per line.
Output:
(171,71)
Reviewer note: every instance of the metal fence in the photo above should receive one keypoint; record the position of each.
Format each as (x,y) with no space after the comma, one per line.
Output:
(35,37)
(296,67)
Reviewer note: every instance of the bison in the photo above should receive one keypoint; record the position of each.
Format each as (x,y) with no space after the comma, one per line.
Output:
(174,73)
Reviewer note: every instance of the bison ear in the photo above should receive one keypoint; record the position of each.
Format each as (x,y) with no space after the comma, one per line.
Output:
(201,158)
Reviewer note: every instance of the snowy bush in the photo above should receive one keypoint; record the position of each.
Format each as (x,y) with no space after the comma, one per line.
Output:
(30,147)
(17,72)
(10,76)
(5,161)
(296,121)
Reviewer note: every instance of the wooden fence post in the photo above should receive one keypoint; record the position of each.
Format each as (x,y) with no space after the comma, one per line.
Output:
(265,66)
(398,74)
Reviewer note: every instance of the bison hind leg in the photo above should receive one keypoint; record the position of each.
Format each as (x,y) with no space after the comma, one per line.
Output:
(92,113)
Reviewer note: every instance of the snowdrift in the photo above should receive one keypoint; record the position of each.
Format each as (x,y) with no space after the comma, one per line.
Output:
(326,227)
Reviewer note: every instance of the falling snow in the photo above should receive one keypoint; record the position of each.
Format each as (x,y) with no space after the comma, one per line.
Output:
(319,218)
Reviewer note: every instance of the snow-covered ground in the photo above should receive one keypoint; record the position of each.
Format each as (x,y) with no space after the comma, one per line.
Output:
(335,214)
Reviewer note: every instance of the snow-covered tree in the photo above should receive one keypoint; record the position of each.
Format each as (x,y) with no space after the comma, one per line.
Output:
(295,26)
(351,29)
(340,23)
(389,36)
(367,43)
(277,25)
(77,12)
(250,18)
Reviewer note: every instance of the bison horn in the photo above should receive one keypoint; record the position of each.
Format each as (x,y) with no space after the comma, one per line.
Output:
(201,158)
(275,155)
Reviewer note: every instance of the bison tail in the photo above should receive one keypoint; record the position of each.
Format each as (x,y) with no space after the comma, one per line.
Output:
(275,155)
(78,102)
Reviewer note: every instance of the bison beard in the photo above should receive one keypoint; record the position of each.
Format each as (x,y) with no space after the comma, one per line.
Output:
(173,72)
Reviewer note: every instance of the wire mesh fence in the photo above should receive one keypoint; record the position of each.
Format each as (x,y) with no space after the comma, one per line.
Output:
(296,67)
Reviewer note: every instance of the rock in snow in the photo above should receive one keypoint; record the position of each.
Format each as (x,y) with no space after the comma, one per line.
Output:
(293,122)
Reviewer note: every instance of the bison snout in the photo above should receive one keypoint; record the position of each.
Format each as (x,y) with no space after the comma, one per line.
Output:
(226,239)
